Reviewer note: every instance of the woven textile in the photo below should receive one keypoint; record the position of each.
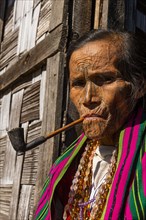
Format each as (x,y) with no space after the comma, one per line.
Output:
(127,196)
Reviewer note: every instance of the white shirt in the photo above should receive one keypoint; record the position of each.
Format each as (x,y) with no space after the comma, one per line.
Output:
(101,162)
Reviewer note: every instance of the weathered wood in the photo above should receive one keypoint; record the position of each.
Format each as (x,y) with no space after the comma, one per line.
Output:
(116,14)
(105,13)
(23,210)
(97,14)
(31,157)
(34,24)
(44,18)
(30,105)
(17,181)
(5,112)
(57,12)
(81,17)
(2,12)
(9,43)
(32,59)
(9,165)
(2,153)
(42,93)
(25,27)
(51,118)
(5,197)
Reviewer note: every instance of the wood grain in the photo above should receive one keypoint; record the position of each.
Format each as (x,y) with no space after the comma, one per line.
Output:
(32,59)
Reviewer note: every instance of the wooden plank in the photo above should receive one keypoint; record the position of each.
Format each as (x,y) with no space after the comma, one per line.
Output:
(44,19)
(57,14)
(116,14)
(105,13)
(25,27)
(34,24)
(97,14)
(17,181)
(33,59)
(3,141)
(2,13)
(42,93)
(30,105)
(5,198)
(5,112)
(82,12)
(31,157)
(10,154)
(23,210)
(51,118)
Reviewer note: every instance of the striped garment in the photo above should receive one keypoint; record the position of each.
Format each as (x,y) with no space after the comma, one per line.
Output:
(127,197)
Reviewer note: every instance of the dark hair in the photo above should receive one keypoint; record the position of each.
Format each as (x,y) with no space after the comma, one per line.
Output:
(132,56)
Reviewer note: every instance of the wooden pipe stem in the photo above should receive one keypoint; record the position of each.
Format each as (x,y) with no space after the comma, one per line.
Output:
(64,128)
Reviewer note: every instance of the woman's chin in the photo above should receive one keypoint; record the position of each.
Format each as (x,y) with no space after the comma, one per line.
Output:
(93,135)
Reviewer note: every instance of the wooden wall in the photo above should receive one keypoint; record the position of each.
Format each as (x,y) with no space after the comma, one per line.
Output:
(33,40)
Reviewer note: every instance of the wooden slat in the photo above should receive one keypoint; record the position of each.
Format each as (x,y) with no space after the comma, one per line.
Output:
(5,113)
(23,210)
(32,59)
(105,13)
(5,198)
(2,153)
(2,13)
(34,24)
(31,157)
(30,105)
(9,165)
(51,117)
(44,19)
(9,43)
(81,17)
(57,14)
(8,23)
(97,14)
(42,93)
(16,182)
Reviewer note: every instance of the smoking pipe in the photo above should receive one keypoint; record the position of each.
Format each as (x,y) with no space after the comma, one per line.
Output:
(16,137)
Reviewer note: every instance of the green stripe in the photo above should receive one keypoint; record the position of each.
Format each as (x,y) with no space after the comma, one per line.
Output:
(45,185)
(67,165)
(67,151)
(137,176)
(133,205)
(42,214)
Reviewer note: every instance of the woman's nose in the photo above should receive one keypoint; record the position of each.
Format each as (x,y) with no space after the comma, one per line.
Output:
(90,95)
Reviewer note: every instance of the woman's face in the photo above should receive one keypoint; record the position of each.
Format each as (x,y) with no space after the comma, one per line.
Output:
(98,90)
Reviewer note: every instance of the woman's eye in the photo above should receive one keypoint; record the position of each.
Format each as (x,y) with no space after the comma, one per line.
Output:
(78,83)
(109,79)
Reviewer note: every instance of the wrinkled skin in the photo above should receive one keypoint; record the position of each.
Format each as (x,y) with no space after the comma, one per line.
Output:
(98,90)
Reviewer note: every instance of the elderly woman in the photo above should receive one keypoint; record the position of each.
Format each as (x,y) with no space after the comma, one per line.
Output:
(102,175)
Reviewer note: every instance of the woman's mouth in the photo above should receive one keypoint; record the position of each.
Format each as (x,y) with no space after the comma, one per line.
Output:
(92,117)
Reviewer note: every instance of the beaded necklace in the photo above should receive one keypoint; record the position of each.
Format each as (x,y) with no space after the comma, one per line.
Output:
(79,205)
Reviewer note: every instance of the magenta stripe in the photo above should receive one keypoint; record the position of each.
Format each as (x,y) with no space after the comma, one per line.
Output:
(128,213)
(48,192)
(144,173)
(125,173)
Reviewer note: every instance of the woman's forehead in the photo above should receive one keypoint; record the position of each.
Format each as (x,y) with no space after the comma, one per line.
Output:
(93,55)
